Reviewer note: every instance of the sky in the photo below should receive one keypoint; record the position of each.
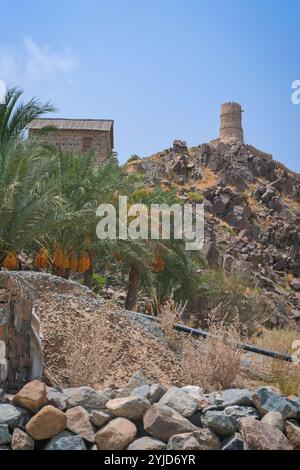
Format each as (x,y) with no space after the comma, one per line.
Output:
(160,68)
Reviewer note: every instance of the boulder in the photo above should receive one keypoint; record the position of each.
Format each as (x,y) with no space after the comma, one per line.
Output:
(203,439)
(147,443)
(33,396)
(233,396)
(99,418)
(180,401)
(116,435)
(13,416)
(266,399)
(137,380)
(142,391)
(78,421)
(163,422)
(5,436)
(66,441)
(295,284)
(234,442)
(196,392)
(236,412)
(86,397)
(156,392)
(132,407)
(48,422)
(261,436)
(56,398)
(220,423)
(21,440)
(273,418)
(292,431)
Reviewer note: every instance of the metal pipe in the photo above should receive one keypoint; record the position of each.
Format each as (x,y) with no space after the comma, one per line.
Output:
(246,347)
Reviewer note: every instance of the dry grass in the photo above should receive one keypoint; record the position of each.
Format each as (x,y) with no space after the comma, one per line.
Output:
(208,179)
(213,362)
(285,375)
(170,314)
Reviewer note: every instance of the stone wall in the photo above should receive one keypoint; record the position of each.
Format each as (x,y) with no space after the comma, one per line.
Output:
(79,141)
(20,348)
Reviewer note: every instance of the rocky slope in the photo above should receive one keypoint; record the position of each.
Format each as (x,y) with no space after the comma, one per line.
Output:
(252,206)
(145,416)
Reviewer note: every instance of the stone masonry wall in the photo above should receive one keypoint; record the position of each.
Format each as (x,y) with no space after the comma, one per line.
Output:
(80,141)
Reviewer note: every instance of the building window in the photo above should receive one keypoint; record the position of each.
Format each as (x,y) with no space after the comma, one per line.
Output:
(87,144)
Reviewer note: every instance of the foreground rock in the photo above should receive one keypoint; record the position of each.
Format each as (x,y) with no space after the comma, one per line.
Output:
(204,439)
(132,407)
(292,430)
(116,435)
(99,418)
(5,436)
(266,399)
(32,396)
(275,419)
(66,441)
(261,436)
(48,422)
(13,416)
(180,401)
(86,397)
(21,440)
(147,443)
(78,421)
(163,422)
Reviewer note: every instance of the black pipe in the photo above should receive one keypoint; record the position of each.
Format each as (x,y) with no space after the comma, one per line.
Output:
(245,347)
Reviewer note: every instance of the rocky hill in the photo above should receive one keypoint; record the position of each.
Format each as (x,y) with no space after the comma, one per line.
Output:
(252,212)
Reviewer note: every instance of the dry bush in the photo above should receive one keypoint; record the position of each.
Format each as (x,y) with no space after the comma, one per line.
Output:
(88,358)
(285,375)
(170,314)
(213,362)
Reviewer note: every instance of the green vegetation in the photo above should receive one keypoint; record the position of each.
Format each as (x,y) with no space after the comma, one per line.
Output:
(195,197)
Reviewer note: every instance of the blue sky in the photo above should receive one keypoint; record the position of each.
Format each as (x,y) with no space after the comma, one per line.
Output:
(160,68)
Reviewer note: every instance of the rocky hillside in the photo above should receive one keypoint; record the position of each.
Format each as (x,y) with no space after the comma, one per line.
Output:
(252,206)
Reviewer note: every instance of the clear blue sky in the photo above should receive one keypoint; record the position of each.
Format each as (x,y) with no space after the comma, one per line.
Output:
(161,68)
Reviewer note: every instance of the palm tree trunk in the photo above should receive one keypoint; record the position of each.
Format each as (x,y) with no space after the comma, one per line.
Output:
(88,275)
(134,281)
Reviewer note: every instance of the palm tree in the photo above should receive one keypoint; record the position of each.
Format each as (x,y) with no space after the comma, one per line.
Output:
(14,116)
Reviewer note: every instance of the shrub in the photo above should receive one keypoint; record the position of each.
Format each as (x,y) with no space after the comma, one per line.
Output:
(213,362)
(133,158)
(99,282)
(195,197)
(169,315)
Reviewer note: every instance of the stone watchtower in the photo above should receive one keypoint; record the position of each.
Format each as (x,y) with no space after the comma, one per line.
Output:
(231,129)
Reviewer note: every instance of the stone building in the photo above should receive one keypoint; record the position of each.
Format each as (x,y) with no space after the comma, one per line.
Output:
(231,129)
(78,135)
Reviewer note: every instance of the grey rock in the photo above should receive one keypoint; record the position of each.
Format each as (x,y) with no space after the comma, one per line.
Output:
(3,397)
(237,412)
(5,436)
(13,416)
(194,391)
(142,391)
(261,436)
(21,440)
(147,443)
(234,442)
(220,423)
(164,422)
(266,400)
(203,439)
(233,396)
(99,418)
(157,391)
(137,380)
(180,401)
(274,418)
(133,407)
(57,398)
(66,441)
(295,284)
(86,397)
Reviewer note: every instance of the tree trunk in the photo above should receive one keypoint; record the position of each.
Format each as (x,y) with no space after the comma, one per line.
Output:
(134,281)
(88,275)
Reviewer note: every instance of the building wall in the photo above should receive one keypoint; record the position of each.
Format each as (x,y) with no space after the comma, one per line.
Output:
(80,141)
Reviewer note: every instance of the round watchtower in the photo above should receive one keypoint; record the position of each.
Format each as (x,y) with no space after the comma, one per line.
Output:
(231,129)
